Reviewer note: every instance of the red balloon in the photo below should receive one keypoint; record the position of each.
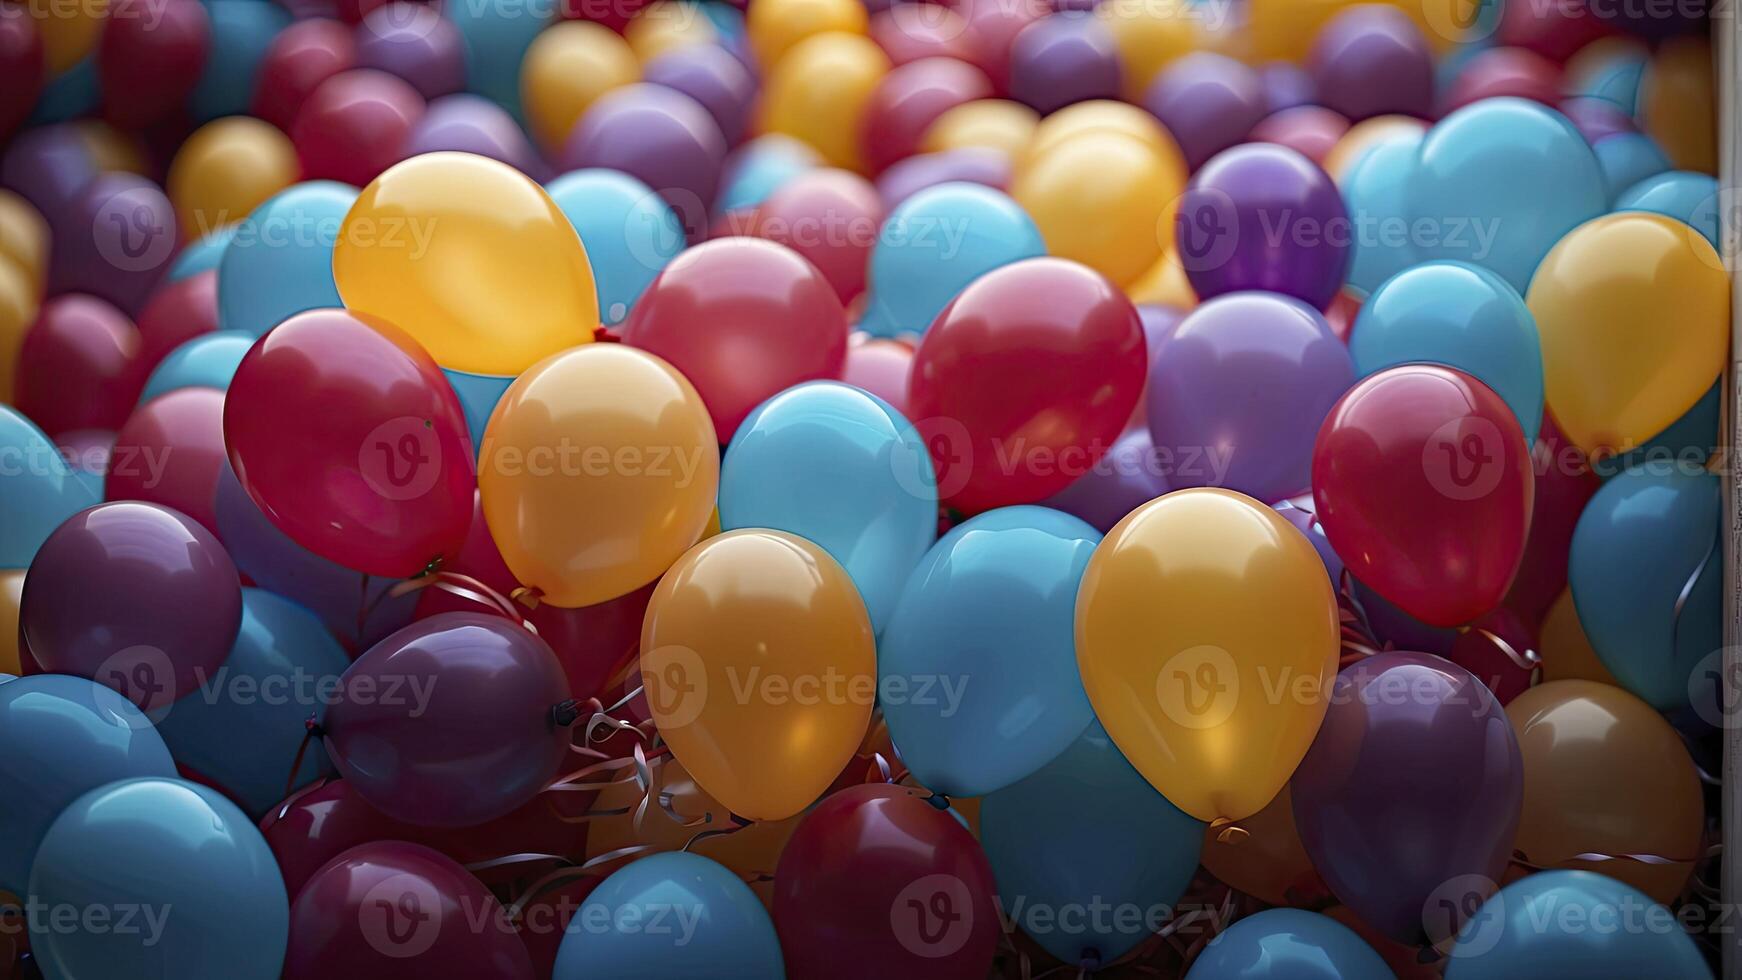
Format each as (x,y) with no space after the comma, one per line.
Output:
(908,100)
(878,882)
(354,125)
(544,920)
(831,217)
(150,57)
(742,318)
(1554,30)
(177,312)
(23,66)
(881,367)
(78,367)
(348,437)
(1564,484)
(170,452)
(908,32)
(992,29)
(614,14)
(1476,651)
(1422,482)
(1032,364)
(1506,71)
(300,58)
(390,910)
(1342,313)
(1310,130)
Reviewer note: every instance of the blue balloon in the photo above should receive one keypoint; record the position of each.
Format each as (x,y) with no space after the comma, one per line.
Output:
(70,94)
(280,262)
(244,724)
(1680,194)
(758,168)
(202,255)
(629,231)
(478,394)
(934,244)
(37,489)
(1459,315)
(670,915)
(64,736)
(1645,545)
(1288,944)
(1373,194)
(1627,159)
(207,361)
(836,465)
(1685,445)
(242,30)
(1615,81)
(977,670)
(1498,183)
(209,902)
(1088,857)
(495,37)
(1573,924)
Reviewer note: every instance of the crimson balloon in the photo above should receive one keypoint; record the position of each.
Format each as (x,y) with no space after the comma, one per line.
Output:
(170,452)
(355,125)
(300,58)
(79,366)
(832,218)
(908,100)
(150,57)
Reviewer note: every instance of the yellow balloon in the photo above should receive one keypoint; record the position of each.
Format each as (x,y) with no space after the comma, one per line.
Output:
(11,593)
(996,123)
(1103,199)
(1207,640)
(1677,104)
(1634,314)
(1098,115)
(225,170)
(1566,651)
(110,148)
(760,669)
(1364,136)
(777,26)
(599,469)
(1284,30)
(1149,34)
(69,30)
(667,25)
(1165,283)
(566,69)
(472,259)
(24,238)
(818,92)
(19,296)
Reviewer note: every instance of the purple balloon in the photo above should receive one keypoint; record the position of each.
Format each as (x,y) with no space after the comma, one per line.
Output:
(1298,511)
(1286,85)
(474,124)
(116,243)
(132,595)
(1262,216)
(450,722)
(1127,477)
(49,167)
(1371,60)
(1209,102)
(712,76)
(1409,797)
(970,164)
(415,42)
(1066,58)
(1237,393)
(1597,118)
(659,136)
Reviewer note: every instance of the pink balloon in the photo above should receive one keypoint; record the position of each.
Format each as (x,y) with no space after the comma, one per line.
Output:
(882,368)
(170,452)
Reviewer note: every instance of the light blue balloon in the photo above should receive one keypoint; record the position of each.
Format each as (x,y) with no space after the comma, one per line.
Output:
(1627,159)
(934,244)
(977,670)
(242,30)
(1373,194)
(478,394)
(1680,194)
(209,900)
(1498,183)
(1288,944)
(670,915)
(1462,316)
(1638,545)
(1685,445)
(1088,857)
(242,727)
(759,167)
(280,262)
(68,95)
(838,466)
(201,255)
(629,231)
(37,489)
(64,736)
(207,361)
(1616,80)
(495,37)
(1573,924)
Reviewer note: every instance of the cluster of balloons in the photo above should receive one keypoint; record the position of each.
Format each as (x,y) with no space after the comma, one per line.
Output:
(910,489)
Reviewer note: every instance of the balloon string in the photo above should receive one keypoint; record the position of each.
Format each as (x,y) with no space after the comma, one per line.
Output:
(1528,660)
(464,586)
(738,824)
(311,731)
(1681,599)
(364,608)
(1523,860)
(883,766)
(290,800)
(545,884)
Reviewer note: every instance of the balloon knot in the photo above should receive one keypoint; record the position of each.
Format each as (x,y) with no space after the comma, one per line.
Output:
(1229,832)
(565,713)
(434,566)
(314,728)
(939,800)
(526,596)
(605,335)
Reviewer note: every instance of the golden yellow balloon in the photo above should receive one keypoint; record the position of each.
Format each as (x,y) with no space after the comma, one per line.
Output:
(1634,314)
(995,123)
(1103,115)
(667,25)
(1103,199)
(225,170)
(472,259)
(777,26)
(11,593)
(19,295)
(1165,284)
(69,30)
(566,69)
(1207,640)
(818,93)
(760,669)
(1284,30)
(599,469)
(1149,34)
(1567,654)
(1678,106)
(1364,136)
(24,238)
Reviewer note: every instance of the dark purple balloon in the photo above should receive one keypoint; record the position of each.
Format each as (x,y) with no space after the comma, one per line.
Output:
(1371,60)
(474,124)
(415,42)
(49,167)
(449,722)
(1286,85)
(1209,102)
(132,595)
(1261,216)
(972,164)
(712,76)
(659,136)
(1410,795)
(1127,477)
(1066,58)
(1298,511)
(116,243)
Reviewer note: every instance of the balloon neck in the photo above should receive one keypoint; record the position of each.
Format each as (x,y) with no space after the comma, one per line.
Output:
(434,566)
(527,596)
(1228,832)
(565,713)
(605,335)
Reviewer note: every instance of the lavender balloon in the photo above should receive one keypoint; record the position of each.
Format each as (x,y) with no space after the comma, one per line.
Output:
(712,76)
(1371,60)
(1262,216)
(659,136)
(969,164)
(1238,390)
(1209,102)
(1298,511)
(474,124)
(117,242)
(48,167)
(1286,85)
(1130,475)
(415,42)
(1410,795)
(1062,59)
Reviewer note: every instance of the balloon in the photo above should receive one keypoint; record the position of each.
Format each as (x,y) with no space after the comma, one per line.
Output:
(1149,36)
(299,59)
(659,136)
(1690,197)
(996,440)
(1610,386)
(527,292)
(1102,199)
(117,244)
(907,34)
(280,261)
(1566,651)
(713,76)
(37,489)
(1363,137)
(832,218)
(65,736)
(881,367)
(1462,316)
(818,93)
(778,26)
(346,435)
(478,395)
(11,593)
(1084,832)
(567,68)
(997,124)
(1238,391)
(1626,159)
(495,39)
(896,851)
(467,123)
(908,99)
(149,58)
(169,452)
(1286,86)
(18,305)
(227,169)
(1596,118)
(1422,480)
(1373,192)
(1208,102)
(22,63)
(1169,632)
(1481,650)
(242,35)
(599,469)
(48,166)
(1130,475)
(1062,59)
(199,256)
(170,847)
(1677,103)
(630,233)
(206,361)
(1564,482)
(756,169)
(392,910)
(1310,130)
(1270,863)
(1504,73)
(1371,60)
(78,366)
(415,43)
(1288,944)
(24,239)
(354,125)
